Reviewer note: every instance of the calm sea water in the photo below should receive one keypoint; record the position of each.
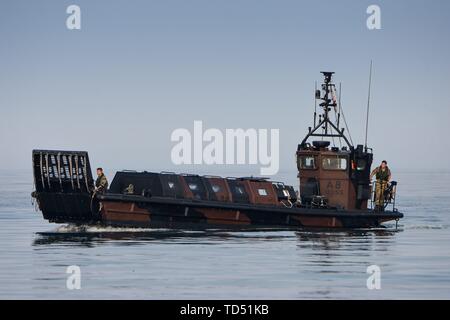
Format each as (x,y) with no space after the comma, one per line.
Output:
(160,264)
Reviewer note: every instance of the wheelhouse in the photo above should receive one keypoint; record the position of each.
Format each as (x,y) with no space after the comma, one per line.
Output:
(336,177)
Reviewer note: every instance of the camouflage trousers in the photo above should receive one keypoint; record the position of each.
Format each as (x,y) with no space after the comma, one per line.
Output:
(379,192)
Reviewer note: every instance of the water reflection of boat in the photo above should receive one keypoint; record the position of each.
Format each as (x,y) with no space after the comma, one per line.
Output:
(334,190)
(89,236)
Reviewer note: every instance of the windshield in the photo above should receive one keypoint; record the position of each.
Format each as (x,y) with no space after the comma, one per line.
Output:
(334,163)
(307,162)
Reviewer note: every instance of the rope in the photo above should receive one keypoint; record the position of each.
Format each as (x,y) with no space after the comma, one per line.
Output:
(69,157)
(41,164)
(78,171)
(58,162)
(346,126)
(85,173)
(47,169)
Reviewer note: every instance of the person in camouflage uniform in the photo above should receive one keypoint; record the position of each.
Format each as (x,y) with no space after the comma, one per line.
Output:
(383,176)
(101,184)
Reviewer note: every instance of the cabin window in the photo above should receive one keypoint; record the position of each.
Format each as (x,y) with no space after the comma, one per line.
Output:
(239,190)
(307,162)
(193,186)
(360,164)
(334,163)
(262,192)
(216,188)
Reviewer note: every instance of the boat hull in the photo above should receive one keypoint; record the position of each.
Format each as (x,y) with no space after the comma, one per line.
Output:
(136,211)
(65,194)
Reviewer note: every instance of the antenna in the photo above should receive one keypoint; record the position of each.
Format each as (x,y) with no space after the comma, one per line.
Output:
(315,103)
(328,127)
(339,111)
(339,103)
(368,105)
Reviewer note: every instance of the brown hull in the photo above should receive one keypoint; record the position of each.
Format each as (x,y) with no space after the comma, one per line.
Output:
(136,211)
(64,194)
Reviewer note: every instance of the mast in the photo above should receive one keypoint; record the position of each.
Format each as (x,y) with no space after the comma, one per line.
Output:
(329,128)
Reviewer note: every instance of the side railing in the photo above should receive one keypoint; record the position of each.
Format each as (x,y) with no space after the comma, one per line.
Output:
(387,193)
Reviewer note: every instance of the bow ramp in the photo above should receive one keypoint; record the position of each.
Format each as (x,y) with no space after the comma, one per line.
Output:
(63,185)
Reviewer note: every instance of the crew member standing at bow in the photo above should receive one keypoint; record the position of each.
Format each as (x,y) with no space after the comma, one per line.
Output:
(383,176)
(101,184)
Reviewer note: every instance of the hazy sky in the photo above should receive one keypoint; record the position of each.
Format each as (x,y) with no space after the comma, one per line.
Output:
(137,70)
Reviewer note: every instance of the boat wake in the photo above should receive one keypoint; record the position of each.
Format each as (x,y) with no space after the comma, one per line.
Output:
(76,228)
(428,227)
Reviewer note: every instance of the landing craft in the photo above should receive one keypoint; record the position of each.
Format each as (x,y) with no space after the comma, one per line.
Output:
(335,188)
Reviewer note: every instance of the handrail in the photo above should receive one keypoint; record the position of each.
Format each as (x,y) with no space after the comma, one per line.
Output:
(388,199)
